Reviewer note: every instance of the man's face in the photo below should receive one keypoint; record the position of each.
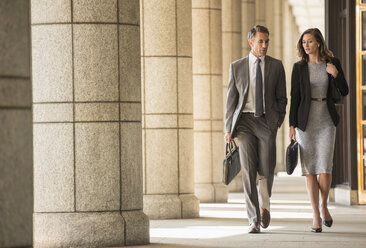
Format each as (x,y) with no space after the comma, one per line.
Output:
(259,44)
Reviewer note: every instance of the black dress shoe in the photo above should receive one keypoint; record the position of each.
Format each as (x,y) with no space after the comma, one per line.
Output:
(328,223)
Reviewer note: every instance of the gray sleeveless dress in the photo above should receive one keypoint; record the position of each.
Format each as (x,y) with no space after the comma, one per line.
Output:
(317,142)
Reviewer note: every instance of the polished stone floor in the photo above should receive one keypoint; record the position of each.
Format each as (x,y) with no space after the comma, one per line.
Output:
(225,225)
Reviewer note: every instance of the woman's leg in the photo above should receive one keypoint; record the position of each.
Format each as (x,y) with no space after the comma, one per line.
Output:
(324,184)
(313,191)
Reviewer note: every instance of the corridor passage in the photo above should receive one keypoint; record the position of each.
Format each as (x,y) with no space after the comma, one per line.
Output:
(225,225)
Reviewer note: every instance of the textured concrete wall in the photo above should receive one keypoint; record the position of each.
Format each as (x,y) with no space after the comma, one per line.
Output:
(16,191)
(208,101)
(167,100)
(87,124)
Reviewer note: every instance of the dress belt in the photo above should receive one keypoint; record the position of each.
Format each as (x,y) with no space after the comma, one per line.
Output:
(319,99)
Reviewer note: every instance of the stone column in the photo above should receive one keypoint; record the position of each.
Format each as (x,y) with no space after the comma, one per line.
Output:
(269,13)
(290,36)
(260,12)
(288,50)
(247,22)
(276,34)
(209,145)
(16,173)
(231,51)
(167,106)
(247,10)
(274,24)
(87,124)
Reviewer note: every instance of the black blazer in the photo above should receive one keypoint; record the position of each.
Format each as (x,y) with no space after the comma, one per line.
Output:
(301,94)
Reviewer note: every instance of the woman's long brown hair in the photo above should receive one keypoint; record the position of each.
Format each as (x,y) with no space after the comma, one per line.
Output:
(324,53)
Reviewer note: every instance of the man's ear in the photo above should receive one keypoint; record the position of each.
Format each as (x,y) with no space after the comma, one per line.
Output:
(250,43)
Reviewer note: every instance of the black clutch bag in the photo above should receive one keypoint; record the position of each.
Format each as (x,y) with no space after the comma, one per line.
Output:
(291,156)
(231,164)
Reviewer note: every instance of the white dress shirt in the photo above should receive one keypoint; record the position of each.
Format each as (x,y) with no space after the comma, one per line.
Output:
(250,105)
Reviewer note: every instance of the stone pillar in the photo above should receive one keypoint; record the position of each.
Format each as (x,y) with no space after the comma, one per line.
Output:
(209,145)
(167,106)
(87,124)
(247,22)
(274,23)
(260,12)
(231,51)
(268,11)
(290,36)
(16,173)
(247,10)
(276,33)
(288,50)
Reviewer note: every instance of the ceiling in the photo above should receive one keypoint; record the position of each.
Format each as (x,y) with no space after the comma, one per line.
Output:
(309,14)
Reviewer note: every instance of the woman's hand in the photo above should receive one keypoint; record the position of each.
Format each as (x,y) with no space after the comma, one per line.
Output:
(332,70)
(292,134)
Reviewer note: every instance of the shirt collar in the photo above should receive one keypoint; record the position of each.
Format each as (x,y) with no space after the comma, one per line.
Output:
(253,59)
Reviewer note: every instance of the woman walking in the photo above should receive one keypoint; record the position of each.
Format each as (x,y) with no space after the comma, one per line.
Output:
(313,117)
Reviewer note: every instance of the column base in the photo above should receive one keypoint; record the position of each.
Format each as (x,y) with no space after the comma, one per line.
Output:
(137,227)
(205,192)
(280,167)
(221,192)
(236,184)
(211,193)
(190,206)
(95,229)
(343,195)
(159,207)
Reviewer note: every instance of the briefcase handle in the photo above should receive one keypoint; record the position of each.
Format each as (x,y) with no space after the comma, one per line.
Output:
(293,144)
(230,147)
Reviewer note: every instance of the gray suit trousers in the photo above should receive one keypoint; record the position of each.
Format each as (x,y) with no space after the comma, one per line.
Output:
(257,150)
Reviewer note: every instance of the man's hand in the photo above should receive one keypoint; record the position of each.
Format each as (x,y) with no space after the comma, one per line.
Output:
(228,137)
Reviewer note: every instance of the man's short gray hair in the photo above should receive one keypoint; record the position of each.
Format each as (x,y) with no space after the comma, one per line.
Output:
(255,29)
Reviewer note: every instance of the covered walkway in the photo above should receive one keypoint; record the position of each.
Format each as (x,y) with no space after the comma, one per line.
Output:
(225,225)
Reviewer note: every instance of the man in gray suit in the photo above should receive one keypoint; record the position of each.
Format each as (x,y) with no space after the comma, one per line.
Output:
(255,109)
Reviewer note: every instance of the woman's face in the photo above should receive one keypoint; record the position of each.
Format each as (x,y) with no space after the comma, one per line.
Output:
(310,45)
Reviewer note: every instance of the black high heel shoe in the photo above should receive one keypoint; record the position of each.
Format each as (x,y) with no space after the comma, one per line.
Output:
(317,230)
(328,223)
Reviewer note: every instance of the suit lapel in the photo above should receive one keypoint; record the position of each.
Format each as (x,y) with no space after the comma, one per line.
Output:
(243,75)
(306,78)
(246,77)
(267,67)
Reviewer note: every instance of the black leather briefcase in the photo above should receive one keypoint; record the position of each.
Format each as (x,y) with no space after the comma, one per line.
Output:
(231,164)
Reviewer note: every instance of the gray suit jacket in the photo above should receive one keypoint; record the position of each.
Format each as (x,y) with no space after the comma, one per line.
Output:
(238,87)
